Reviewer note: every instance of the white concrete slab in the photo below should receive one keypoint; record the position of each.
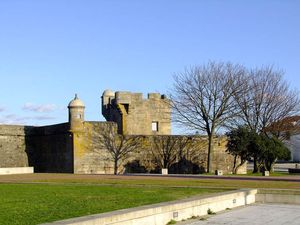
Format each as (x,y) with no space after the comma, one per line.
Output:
(257,214)
(16,170)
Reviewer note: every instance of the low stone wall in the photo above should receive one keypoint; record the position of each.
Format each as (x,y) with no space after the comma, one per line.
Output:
(162,213)
(16,170)
(278,196)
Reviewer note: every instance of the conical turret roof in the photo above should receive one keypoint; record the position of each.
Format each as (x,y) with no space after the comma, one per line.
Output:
(76,102)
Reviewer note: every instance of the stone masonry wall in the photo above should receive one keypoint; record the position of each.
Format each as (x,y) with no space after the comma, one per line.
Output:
(134,114)
(47,149)
(142,112)
(55,149)
(13,149)
(91,158)
(197,155)
(221,160)
(52,148)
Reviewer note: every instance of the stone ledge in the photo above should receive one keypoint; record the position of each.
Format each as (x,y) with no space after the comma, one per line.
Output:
(16,170)
(162,213)
(285,196)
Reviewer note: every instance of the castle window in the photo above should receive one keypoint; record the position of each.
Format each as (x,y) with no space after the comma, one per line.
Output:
(155,126)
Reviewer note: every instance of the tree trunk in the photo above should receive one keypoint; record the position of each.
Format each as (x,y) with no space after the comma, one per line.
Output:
(234,164)
(210,151)
(272,165)
(269,165)
(115,167)
(255,166)
(238,166)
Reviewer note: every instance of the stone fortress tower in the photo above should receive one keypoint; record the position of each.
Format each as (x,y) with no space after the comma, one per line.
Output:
(136,115)
(76,114)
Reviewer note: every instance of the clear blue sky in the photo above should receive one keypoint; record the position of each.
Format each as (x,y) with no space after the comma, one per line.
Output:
(52,49)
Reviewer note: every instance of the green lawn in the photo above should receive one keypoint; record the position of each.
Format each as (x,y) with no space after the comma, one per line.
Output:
(39,198)
(40,203)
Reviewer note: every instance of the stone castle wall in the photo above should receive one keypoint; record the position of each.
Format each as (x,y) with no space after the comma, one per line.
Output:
(196,154)
(47,149)
(55,149)
(89,155)
(13,148)
(52,148)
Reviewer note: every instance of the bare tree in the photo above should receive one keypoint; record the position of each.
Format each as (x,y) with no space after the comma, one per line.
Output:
(267,100)
(285,128)
(119,146)
(202,98)
(164,150)
(169,149)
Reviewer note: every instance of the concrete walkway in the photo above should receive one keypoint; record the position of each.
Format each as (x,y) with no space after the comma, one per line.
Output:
(257,214)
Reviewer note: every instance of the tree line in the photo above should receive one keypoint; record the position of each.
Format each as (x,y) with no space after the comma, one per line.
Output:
(230,97)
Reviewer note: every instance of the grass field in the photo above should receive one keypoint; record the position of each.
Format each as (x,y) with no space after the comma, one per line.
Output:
(39,198)
(40,203)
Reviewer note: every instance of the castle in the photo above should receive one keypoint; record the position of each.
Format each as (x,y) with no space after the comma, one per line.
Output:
(71,147)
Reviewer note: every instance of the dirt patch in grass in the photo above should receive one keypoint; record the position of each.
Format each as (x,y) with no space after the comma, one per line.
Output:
(150,181)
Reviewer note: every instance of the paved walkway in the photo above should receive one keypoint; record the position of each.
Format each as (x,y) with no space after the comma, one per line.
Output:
(258,214)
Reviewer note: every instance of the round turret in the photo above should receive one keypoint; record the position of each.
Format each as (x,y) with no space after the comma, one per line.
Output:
(108,93)
(107,97)
(76,114)
(76,102)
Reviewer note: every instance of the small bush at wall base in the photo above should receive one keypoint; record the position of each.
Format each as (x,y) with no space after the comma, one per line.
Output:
(171,222)
(210,212)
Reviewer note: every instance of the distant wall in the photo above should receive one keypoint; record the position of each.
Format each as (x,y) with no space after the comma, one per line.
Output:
(13,149)
(221,160)
(55,149)
(52,149)
(89,156)
(47,149)
(197,155)
(294,145)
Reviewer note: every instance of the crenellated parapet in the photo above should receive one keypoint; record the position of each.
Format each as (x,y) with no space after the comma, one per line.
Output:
(136,115)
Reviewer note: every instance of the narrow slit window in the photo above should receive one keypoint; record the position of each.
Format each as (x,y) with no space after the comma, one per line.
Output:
(155,126)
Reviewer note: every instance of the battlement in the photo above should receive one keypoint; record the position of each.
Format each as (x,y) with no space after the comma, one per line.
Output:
(137,115)
(154,96)
(126,97)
